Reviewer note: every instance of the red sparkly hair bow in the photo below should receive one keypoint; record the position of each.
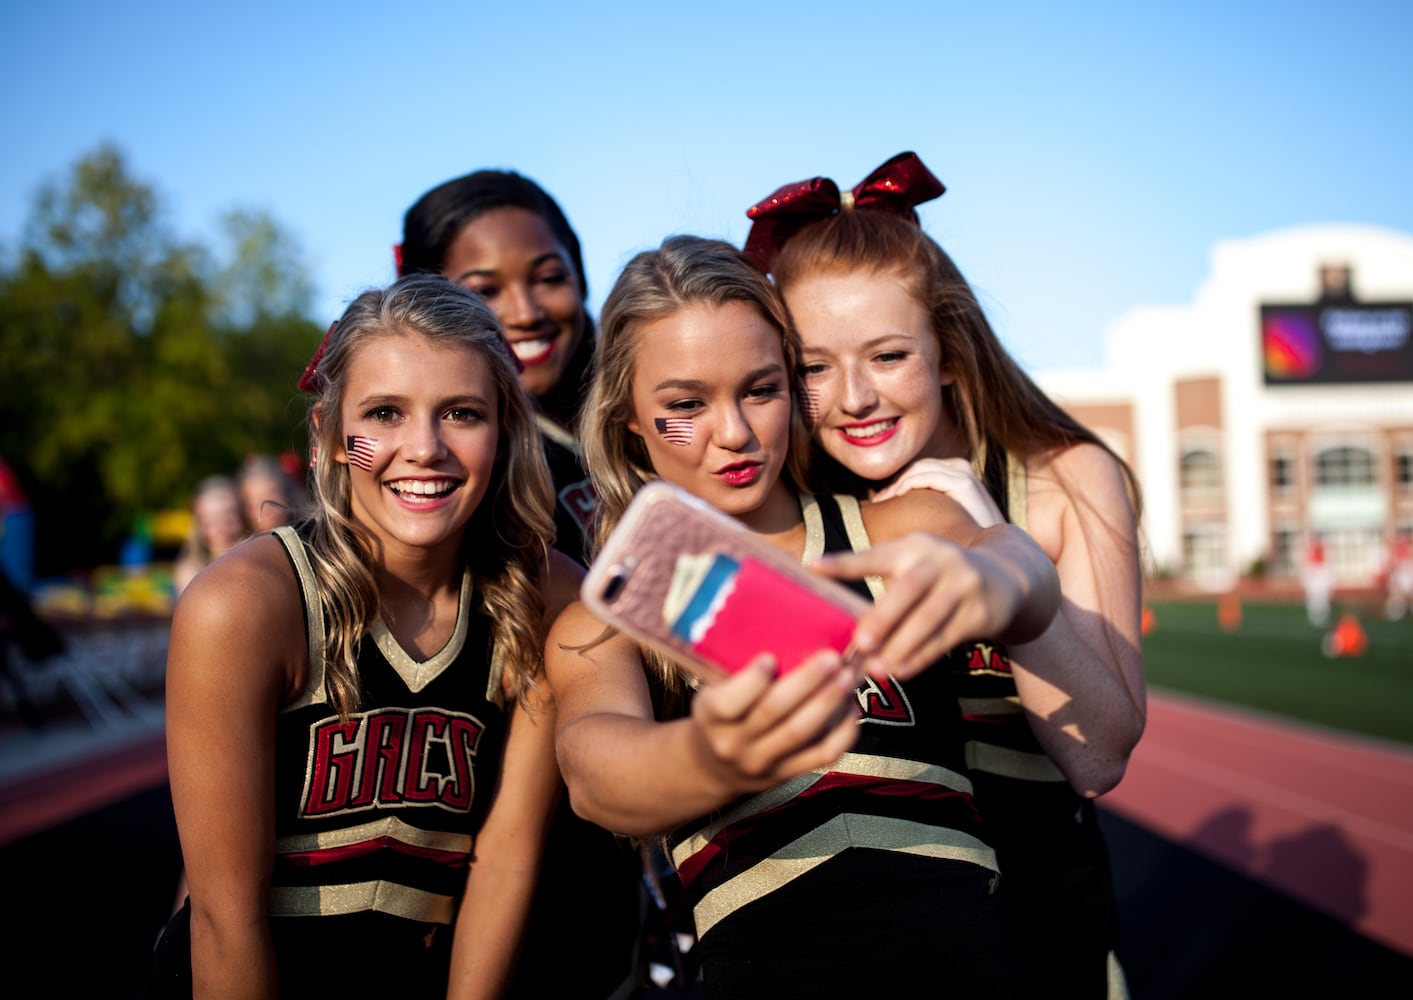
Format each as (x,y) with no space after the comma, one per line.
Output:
(312,380)
(896,187)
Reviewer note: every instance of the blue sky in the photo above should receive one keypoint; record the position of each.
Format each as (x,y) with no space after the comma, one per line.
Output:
(1093,152)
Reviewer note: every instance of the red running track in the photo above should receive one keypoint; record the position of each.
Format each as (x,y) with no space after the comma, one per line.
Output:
(1324,818)
(68,788)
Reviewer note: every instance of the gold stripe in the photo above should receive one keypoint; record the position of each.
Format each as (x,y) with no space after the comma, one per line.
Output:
(991,706)
(858,537)
(814,527)
(494,692)
(1010,763)
(388,826)
(313,693)
(1017,491)
(558,434)
(867,765)
(417,674)
(827,841)
(359,897)
(1118,984)
(746,808)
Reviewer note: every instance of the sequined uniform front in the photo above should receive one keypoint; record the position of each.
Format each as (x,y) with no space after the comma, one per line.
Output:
(872,877)
(1059,885)
(376,815)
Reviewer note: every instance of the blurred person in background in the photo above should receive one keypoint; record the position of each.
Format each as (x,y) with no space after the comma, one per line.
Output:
(216,528)
(269,498)
(1399,575)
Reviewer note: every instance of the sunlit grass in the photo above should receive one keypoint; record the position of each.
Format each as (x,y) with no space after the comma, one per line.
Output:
(1274,662)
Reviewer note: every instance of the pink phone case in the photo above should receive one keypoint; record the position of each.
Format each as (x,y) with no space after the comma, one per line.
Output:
(684,577)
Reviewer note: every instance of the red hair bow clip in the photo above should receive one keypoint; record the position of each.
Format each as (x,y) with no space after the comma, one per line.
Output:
(312,380)
(896,187)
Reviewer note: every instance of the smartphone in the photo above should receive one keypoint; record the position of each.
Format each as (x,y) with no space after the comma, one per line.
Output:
(678,574)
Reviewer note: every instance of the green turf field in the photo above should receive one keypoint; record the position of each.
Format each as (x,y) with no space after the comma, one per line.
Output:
(1274,662)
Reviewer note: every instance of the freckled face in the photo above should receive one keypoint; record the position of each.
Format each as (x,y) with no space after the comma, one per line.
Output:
(711,400)
(423,418)
(874,371)
(510,257)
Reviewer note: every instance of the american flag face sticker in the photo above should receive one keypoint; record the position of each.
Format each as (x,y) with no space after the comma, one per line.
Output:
(360,451)
(809,405)
(674,430)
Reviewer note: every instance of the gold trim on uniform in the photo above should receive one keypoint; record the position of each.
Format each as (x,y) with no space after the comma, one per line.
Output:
(313,693)
(388,826)
(558,434)
(1010,763)
(829,840)
(814,527)
(359,897)
(417,674)
(858,537)
(868,765)
(1017,491)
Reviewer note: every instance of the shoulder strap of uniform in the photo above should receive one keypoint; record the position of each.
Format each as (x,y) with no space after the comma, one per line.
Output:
(1016,490)
(313,616)
(852,516)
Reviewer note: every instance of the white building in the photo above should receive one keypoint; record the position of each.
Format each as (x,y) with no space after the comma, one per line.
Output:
(1254,431)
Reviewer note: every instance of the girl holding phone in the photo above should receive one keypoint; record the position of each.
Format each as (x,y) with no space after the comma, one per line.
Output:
(821,823)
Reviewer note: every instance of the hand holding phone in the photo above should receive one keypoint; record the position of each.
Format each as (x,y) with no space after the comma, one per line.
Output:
(682,576)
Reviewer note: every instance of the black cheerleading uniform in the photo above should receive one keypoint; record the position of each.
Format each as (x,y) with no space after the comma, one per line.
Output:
(1059,886)
(375,815)
(872,877)
(574,501)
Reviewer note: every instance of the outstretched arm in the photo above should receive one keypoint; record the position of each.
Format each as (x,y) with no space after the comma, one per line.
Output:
(749,732)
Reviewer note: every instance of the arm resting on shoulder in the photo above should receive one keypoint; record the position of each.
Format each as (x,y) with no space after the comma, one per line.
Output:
(1081,681)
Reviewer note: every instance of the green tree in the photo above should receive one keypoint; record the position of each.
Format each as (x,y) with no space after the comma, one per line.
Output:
(133,363)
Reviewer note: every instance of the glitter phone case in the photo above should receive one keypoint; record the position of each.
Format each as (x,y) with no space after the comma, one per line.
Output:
(681,576)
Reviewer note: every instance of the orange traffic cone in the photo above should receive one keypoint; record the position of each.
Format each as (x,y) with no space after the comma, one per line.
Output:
(1229,612)
(1347,638)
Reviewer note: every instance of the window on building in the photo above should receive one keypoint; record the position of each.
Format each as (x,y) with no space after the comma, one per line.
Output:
(1285,551)
(1403,469)
(1282,474)
(1201,475)
(1345,466)
(1203,552)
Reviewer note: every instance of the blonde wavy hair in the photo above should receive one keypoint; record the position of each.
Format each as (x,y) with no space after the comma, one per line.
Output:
(506,541)
(685,271)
